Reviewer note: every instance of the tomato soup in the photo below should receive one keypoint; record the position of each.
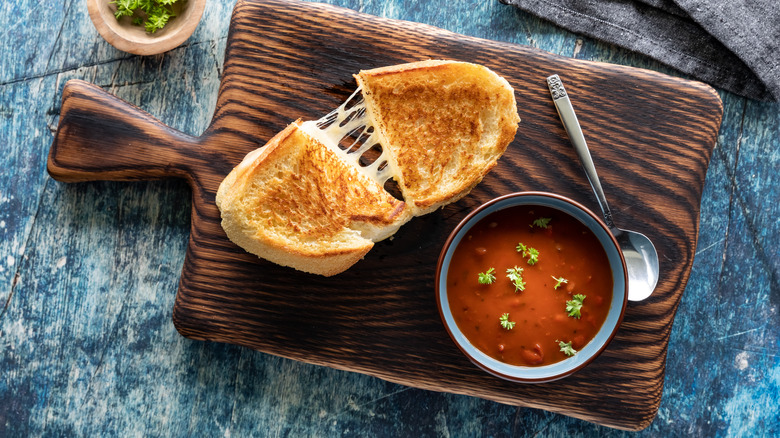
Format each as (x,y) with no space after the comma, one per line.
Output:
(529,285)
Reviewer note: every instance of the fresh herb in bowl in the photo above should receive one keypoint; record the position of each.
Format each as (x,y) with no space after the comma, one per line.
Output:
(153,15)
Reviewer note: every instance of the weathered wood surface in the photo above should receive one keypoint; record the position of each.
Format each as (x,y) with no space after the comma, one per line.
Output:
(86,337)
(652,142)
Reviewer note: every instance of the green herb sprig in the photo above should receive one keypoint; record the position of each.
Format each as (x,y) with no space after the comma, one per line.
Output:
(152,14)
(559,281)
(566,348)
(516,276)
(505,322)
(486,277)
(531,253)
(542,222)
(574,306)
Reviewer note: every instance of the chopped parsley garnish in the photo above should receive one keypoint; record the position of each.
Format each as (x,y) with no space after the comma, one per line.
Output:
(542,222)
(152,14)
(566,348)
(531,253)
(559,281)
(486,277)
(505,322)
(574,306)
(516,276)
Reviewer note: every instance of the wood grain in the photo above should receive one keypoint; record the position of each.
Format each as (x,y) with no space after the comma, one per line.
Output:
(651,136)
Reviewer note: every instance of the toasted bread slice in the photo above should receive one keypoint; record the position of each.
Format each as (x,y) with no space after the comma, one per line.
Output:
(306,201)
(297,203)
(445,124)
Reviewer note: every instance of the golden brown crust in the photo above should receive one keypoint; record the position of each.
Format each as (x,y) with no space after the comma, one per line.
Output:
(296,203)
(444,122)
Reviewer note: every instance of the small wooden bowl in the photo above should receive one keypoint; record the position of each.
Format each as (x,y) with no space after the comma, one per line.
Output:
(130,38)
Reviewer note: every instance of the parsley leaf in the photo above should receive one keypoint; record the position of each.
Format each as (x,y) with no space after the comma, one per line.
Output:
(505,322)
(566,348)
(153,15)
(516,276)
(542,222)
(124,8)
(486,277)
(531,253)
(559,281)
(574,306)
(157,19)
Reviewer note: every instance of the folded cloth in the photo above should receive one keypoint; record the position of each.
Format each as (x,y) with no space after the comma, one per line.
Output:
(730,44)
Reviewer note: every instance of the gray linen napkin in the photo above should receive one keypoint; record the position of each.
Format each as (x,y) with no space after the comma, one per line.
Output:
(731,44)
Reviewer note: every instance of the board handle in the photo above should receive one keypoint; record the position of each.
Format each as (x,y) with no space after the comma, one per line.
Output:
(101,137)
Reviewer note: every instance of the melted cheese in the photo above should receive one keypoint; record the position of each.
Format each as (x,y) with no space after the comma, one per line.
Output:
(350,121)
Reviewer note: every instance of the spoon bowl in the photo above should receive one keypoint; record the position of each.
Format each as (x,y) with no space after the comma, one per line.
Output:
(639,252)
(641,263)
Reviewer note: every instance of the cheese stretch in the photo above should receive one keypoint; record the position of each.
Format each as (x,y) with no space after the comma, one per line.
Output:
(351,121)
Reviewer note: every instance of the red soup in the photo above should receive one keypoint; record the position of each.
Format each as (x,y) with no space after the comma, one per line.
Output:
(529,285)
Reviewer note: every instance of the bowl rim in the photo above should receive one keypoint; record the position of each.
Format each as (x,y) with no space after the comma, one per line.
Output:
(466,223)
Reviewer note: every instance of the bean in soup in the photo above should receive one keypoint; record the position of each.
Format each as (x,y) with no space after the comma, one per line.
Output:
(529,285)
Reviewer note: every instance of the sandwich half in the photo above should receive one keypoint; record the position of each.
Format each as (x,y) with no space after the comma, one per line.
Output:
(296,203)
(445,124)
(307,201)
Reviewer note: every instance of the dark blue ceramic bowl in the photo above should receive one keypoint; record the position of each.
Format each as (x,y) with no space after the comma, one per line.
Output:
(586,354)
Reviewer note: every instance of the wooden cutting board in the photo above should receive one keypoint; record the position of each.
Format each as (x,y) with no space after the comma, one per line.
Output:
(651,136)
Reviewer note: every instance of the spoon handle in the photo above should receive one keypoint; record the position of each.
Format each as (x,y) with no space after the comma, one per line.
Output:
(572,127)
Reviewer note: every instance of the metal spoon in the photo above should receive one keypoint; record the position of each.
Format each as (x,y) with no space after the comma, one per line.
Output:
(639,252)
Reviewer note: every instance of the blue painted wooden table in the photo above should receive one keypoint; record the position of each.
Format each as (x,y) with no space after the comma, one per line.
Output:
(88,272)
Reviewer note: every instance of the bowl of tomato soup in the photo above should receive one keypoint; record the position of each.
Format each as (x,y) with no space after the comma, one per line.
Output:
(531,286)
